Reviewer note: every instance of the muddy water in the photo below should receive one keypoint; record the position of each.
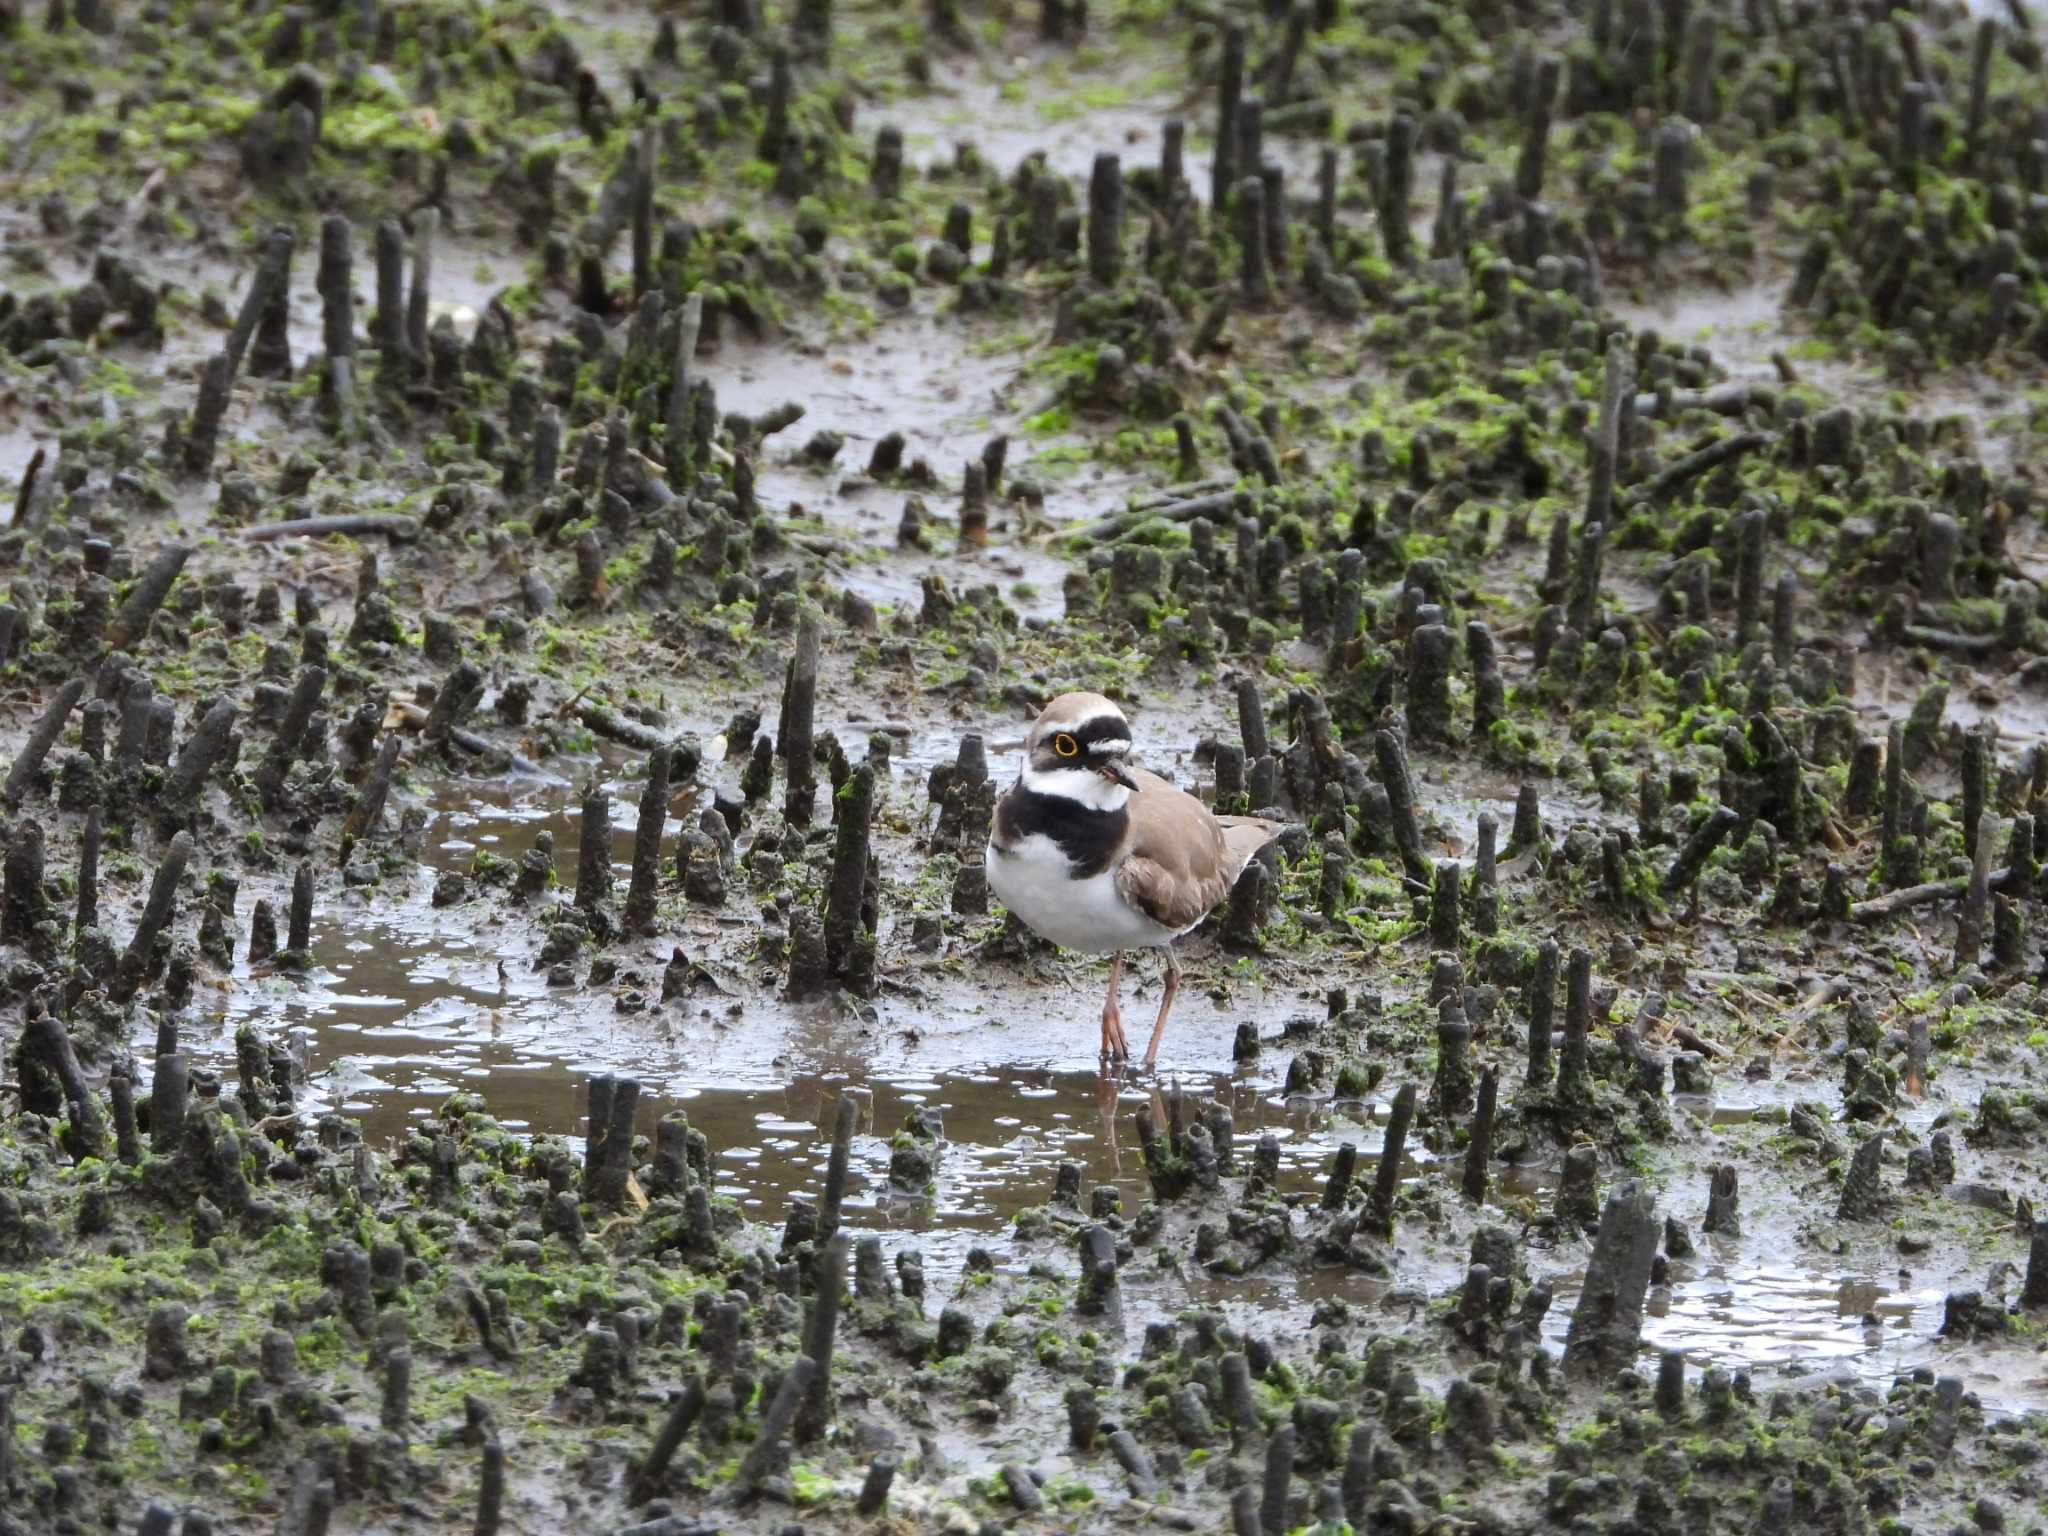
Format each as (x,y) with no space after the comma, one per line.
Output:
(407,1005)
(469,271)
(1747,328)
(948,390)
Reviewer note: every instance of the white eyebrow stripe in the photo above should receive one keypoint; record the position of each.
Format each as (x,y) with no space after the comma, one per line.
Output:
(1087,720)
(1113,744)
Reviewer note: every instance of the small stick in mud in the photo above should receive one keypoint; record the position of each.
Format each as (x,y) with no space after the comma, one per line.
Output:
(1337,1188)
(643,894)
(1251,719)
(1574,1085)
(397,526)
(1397,192)
(1978,750)
(849,940)
(1479,1150)
(1278,1482)
(874,1488)
(1392,755)
(88,874)
(1240,1404)
(389,331)
(168,1097)
(48,727)
(270,349)
(1378,1216)
(369,807)
(273,275)
(1974,916)
(1450,1093)
(594,852)
(769,1451)
(794,741)
(1606,1326)
(202,437)
(1361,1474)
(46,1041)
(814,1414)
(1667,482)
(684,1407)
(1100,1295)
(2034,1294)
(1542,1014)
(1254,286)
(1749,576)
(1106,220)
(644,163)
(1444,905)
(454,701)
(291,731)
(1697,848)
(1616,401)
(1531,165)
(1862,1190)
(156,915)
(1429,683)
(132,621)
(547,451)
(844,1114)
(127,1142)
(1723,1207)
(207,745)
(335,281)
(1784,619)
(1274,180)
(608,1151)
(1130,1455)
(1670,1394)
(1577,1203)
(677,432)
(974,504)
(1586,571)
(1224,167)
(395,1411)
(299,919)
(490,1493)
(426,225)
(1489,689)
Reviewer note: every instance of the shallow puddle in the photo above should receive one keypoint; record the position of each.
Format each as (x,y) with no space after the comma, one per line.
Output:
(1747,1314)
(1748,329)
(408,1004)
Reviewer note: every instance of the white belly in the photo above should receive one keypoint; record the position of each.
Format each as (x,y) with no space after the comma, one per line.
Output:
(1032,880)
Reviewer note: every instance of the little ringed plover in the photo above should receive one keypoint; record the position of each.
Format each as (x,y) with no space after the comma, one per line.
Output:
(1101,857)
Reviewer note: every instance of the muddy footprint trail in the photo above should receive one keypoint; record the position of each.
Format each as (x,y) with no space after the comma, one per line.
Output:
(536,532)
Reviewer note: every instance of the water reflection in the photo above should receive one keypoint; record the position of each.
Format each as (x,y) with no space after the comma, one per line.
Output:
(408,1003)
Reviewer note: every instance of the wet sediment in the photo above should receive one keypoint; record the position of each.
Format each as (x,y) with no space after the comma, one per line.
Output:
(566,515)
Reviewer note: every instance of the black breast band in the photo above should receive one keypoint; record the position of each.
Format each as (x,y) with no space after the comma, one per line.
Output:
(1089,838)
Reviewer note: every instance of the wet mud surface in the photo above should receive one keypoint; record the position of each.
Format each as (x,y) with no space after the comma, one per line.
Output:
(1580,468)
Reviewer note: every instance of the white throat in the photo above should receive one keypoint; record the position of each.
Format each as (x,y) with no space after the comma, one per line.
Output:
(1084,786)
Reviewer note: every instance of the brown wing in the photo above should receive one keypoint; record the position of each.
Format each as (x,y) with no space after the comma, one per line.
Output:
(1183,860)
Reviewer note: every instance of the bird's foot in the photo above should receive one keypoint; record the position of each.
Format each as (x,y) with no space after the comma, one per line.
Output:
(1115,1048)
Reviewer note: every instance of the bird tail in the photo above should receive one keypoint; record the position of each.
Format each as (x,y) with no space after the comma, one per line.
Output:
(1244,836)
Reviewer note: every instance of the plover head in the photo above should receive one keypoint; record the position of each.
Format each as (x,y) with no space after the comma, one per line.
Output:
(1079,749)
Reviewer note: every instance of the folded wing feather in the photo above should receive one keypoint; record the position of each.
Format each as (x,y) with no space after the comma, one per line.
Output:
(1182,859)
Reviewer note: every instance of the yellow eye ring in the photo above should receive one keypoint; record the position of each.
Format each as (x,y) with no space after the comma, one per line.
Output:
(1065,745)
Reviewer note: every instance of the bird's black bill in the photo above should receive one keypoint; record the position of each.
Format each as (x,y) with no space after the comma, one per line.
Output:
(1117,773)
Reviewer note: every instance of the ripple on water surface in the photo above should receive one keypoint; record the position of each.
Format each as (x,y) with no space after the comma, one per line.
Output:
(408,1005)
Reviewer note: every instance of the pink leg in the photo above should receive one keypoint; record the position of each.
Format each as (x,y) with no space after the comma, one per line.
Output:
(1114,1046)
(1165,1005)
